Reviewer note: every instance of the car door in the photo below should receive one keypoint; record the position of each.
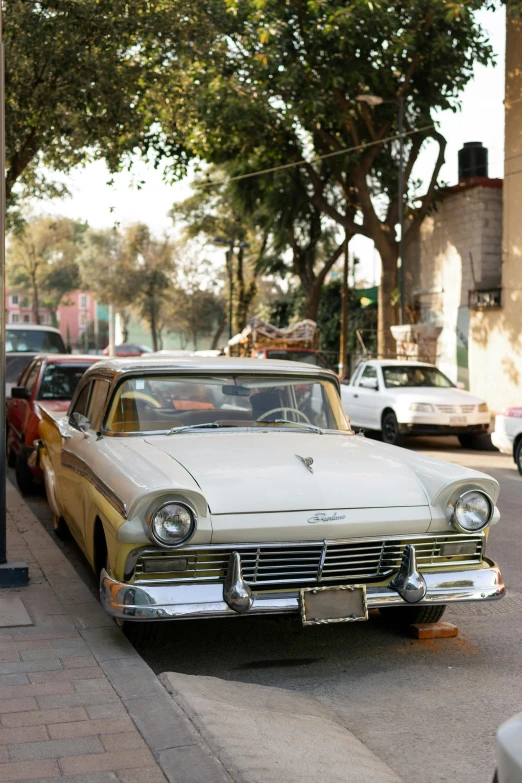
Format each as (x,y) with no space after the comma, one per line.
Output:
(72,471)
(19,409)
(364,400)
(87,449)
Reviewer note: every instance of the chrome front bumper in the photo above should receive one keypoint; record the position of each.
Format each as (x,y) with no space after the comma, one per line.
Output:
(175,602)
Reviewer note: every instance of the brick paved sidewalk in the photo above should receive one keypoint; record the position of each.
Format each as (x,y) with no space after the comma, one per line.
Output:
(76,700)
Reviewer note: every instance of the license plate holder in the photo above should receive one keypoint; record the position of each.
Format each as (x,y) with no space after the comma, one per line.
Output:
(458,421)
(340,604)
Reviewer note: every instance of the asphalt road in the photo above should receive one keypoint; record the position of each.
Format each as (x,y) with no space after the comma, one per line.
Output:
(430,709)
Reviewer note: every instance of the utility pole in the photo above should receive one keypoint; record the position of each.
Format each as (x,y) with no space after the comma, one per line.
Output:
(112,350)
(343,342)
(11,574)
(230,271)
(401,210)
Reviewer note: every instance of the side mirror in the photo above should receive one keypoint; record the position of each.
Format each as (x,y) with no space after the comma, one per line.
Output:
(79,422)
(369,383)
(20,393)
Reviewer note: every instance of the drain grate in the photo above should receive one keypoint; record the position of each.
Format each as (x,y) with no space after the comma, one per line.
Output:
(511,603)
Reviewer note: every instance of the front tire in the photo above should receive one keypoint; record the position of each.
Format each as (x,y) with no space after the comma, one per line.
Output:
(402,616)
(24,476)
(142,636)
(60,528)
(518,456)
(390,429)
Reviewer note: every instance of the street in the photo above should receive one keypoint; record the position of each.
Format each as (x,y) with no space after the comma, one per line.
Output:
(432,706)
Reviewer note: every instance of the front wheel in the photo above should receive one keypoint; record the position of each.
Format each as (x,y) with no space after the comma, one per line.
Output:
(390,429)
(60,527)
(24,476)
(142,636)
(411,615)
(518,456)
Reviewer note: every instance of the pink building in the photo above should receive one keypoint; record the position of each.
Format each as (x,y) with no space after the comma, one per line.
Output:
(73,317)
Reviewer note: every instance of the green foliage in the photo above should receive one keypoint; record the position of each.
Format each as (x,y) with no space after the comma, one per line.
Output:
(329,322)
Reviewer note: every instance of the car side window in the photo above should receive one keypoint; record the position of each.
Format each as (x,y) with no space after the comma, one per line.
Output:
(80,406)
(369,372)
(33,376)
(100,390)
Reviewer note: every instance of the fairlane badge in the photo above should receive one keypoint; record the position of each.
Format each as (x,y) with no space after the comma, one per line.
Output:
(321,517)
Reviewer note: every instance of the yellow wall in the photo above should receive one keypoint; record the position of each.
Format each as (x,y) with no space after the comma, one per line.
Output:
(495,349)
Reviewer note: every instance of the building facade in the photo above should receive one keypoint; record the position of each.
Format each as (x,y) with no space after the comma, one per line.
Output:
(456,257)
(72,317)
(495,356)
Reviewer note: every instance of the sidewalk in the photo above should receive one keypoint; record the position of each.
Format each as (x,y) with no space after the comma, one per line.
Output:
(77,702)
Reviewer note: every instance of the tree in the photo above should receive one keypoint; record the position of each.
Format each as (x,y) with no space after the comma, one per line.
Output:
(108,271)
(287,89)
(154,267)
(42,261)
(209,214)
(79,74)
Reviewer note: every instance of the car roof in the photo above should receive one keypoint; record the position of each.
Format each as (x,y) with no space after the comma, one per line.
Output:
(397,363)
(63,358)
(32,328)
(117,366)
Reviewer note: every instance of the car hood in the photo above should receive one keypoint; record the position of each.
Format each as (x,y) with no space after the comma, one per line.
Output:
(260,472)
(435,396)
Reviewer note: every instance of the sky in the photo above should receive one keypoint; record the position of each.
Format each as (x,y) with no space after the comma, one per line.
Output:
(480,119)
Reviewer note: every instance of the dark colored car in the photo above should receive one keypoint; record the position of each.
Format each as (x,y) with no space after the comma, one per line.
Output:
(128,349)
(22,343)
(306,355)
(49,381)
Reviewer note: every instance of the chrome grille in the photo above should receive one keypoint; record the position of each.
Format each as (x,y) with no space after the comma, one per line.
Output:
(447,408)
(467,408)
(304,562)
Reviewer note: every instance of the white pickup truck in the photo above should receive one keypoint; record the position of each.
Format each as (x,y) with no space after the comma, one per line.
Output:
(507,436)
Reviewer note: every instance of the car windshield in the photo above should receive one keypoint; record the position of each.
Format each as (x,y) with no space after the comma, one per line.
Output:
(415,376)
(168,402)
(60,381)
(33,341)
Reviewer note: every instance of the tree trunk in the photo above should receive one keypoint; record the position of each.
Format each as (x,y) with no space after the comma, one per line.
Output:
(36,299)
(312,297)
(387,310)
(153,328)
(217,334)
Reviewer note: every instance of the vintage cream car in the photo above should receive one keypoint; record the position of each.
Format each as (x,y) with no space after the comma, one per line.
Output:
(219,487)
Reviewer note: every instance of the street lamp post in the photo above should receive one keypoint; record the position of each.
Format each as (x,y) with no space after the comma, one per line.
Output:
(11,574)
(376,100)
(230,243)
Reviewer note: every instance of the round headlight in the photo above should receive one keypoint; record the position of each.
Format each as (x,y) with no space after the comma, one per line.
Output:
(172,524)
(472,512)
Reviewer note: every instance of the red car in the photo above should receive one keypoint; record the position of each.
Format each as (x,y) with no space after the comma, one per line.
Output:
(49,381)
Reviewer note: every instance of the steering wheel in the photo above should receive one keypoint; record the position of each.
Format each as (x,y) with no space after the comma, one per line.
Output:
(285,411)
(136,395)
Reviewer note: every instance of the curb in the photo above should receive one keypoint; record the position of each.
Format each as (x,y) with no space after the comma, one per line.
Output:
(173,739)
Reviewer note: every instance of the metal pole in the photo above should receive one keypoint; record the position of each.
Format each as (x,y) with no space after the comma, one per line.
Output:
(230,270)
(11,574)
(3,442)
(343,342)
(401,210)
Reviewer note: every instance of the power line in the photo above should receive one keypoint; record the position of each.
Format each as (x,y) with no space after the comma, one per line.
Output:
(314,160)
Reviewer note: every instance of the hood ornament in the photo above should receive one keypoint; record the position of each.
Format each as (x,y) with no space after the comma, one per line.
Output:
(307,462)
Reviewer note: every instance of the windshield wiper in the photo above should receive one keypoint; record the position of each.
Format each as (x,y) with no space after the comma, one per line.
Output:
(294,424)
(210,424)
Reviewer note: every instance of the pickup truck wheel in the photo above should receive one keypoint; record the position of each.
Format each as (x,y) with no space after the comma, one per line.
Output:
(11,455)
(518,456)
(24,477)
(408,615)
(390,429)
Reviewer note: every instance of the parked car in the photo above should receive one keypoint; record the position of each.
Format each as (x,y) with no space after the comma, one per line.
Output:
(507,435)
(50,380)
(307,355)
(402,398)
(22,343)
(219,487)
(129,349)
(509,751)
